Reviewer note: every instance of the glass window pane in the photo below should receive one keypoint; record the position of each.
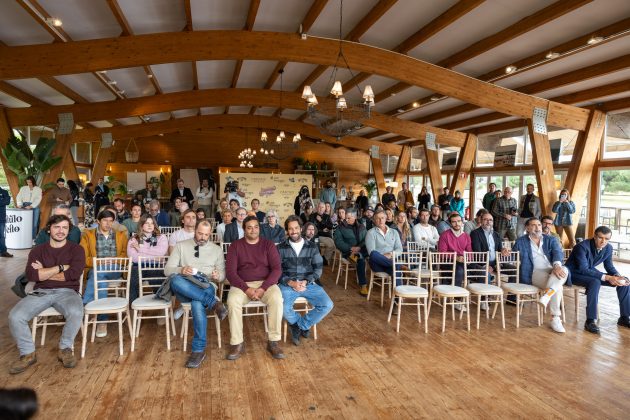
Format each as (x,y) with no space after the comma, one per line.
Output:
(562,142)
(418,160)
(614,209)
(515,183)
(487,144)
(617,141)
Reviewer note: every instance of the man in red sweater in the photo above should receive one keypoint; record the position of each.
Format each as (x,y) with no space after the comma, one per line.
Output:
(253,268)
(55,267)
(458,241)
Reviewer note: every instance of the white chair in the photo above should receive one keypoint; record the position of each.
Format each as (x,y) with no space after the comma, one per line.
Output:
(110,304)
(224,286)
(345,266)
(216,238)
(422,247)
(407,266)
(382,280)
(168,230)
(336,259)
(442,266)
(476,265)
(507,269)
(187,307)
(147,302)
(42,319)
(305,307)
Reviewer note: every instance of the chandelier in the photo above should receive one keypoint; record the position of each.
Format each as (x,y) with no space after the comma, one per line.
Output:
(246,156)
(281,148)
(339,118)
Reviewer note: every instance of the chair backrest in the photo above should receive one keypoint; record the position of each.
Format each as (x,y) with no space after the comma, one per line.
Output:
(117,269)
(508,266)
(225,246)
(168,230)
(476,267)
(507,245)
(566,253)
(442,266)
(407,266)
(216,238)
(413,246)
(150,270)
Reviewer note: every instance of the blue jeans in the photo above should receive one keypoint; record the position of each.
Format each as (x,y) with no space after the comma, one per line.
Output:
(3,244)
(315,295)
(200,300)
(88,296)
(381,264)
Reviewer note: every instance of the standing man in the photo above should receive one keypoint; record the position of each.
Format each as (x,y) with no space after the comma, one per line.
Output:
(444,201)
(489,197)
(101,242)
(56,268)
(324,226)
(205,197)
(301,270)
(380,242)
(541,265)
(425,233)
(582,262)
(101,195)
(235,230)
(59,194)
(388,196)
(504,210)
(329,195)
(195,265)
(5,200)
(350,240)
(253,269)
(455,240)
(528,206)
(405,198)
(183,193)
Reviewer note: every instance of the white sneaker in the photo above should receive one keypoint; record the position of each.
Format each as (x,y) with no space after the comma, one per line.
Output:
(178,313)
(484,306)
(161,321)
(460,307)
(556,325)
(101,330)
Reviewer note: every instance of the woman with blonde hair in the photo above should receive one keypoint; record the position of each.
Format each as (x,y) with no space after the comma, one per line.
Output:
(404,229)
(564,209)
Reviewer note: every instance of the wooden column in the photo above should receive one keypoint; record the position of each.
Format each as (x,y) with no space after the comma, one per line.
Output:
(433,164)
(464,164)
(100,164)
(70,169)
(5,132)
(543,168)
(585,154)
(593,204)
(403,164)
(377,166)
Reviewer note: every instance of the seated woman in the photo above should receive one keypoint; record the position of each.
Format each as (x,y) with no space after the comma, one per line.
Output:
(339,217)
(404,230)
(272,229)
(306,215)
(146,242)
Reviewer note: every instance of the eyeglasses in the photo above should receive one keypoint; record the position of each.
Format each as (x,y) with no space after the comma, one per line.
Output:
(196,251)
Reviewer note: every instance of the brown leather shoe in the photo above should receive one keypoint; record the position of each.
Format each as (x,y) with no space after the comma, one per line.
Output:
(220,310)
(67,359)
(23,363)
(235,351)
(275,350)
(6,254)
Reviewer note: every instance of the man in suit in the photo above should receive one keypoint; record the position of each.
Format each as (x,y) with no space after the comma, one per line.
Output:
(234,230)
(541,265)
(486,239)
(582,262)
(183,193)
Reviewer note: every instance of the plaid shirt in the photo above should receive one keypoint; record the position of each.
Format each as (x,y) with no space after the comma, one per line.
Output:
(106,247)
(306,266)
(501,207)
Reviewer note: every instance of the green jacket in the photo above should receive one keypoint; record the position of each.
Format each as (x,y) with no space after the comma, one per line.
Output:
(347,236)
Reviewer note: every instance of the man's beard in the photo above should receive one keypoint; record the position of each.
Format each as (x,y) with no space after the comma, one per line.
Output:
(487,228)
(201,242)
(58,240)
(536,234)
(295,239)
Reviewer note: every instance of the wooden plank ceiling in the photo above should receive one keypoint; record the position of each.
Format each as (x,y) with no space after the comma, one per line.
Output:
(142,65)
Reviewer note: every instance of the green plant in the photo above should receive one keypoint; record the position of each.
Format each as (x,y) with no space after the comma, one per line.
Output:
(24,162)
(370,188)
(116,187)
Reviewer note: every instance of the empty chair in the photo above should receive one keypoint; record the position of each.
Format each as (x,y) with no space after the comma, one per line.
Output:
(476,281)
(508,270)
(407,266)
(442,266)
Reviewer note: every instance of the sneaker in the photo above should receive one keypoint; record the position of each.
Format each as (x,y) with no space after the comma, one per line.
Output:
(295,334)
(460,307)
(364,290)
(484,306)
(23,363)
(556,325)
(67,359)
(195,359)
(179,312)
(101,330)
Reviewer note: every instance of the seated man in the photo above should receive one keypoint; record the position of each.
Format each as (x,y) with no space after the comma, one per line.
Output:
(380,242)
(189,223)
(455,240)
(200,260)
(350,241)
(121,213)
(486,239)
(582,262)
(43,236)
(102,242)
(301,269)
(541,265)
(253,269)
(425,233)
(159,215)
(56,268)
(235,230)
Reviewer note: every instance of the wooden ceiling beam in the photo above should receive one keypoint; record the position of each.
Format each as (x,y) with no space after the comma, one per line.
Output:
(120,17)
(249,26)
(11,90)
(37,12)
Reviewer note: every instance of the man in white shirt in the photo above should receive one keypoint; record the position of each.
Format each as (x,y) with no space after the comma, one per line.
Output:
(541,265)
(424,233)
(226,216)
(189,219)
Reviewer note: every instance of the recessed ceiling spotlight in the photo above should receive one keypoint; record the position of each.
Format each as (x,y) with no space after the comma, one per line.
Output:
(392,94)
(112,82)
(400,110)
(56,22)
(435,98)
(415,104)
(161,134)
(150,76)
(167,161)
(594,40)
(510,69)
(552,54)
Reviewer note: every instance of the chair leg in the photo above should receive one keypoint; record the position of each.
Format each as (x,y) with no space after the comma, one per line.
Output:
(86,317)
(265,320)
(346,268)
(418,303)
(518,311)
(172,318)
(563,310)
(34,329)
(134,330)
(478,310)
(453,309)
(168,329)
(128,316)
(139,324)
(468,312)
(338,273)
(185,328)
(400,306)
(370,287)
(444,309)
(502,312)
(315,332)
(382,292)
(391,309)
(120,333)
(44,328)
(284,327)
(426,315)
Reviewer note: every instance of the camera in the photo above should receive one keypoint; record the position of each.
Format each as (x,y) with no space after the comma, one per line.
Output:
(231,186)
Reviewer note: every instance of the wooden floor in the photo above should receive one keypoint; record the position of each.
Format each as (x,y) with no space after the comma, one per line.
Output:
(359,368)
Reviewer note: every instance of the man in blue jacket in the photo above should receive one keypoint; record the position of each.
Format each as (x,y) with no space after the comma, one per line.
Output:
(5,199)
(582,262)
(541,265)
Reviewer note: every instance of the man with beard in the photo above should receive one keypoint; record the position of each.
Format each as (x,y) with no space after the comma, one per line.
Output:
(455,240)
(541,265)
(301,269)
(547,224)
(425,233)
(189,223)
(195,265)
(55,267)
(504,210)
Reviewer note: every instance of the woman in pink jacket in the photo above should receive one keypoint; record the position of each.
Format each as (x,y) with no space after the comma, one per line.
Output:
(146,242)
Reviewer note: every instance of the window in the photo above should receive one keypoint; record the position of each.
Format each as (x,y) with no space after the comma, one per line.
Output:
(617,139)
(418,160)
(488,143)
(614,208)
(562,142)
(389,163)
(82,152)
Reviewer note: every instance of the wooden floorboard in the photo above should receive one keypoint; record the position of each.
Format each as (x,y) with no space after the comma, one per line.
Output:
(359,368)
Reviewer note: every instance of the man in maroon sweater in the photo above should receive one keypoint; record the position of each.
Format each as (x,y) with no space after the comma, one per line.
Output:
(253,268)
(55,267)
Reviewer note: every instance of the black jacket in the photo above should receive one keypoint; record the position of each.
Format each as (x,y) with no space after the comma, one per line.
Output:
(479,242)
(188,196)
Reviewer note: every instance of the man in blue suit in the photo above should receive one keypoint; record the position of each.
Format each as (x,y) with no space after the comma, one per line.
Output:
(541,265)
(582,262)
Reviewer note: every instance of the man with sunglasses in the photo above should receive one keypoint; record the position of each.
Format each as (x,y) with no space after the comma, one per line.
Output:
(195,265)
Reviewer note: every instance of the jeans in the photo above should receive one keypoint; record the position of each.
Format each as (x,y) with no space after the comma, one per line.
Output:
(3,244)
(66,301)
(315,295)
(200,300)
(592,285)
(88,295)
(381,264)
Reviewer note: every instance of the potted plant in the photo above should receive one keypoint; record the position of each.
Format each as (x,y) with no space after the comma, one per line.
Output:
(24,162)
(370,189)
(116,188)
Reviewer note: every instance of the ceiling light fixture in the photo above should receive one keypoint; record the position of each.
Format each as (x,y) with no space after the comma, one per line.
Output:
(415,104)
(510,69)
(56,22)
(595,40)
(552,54)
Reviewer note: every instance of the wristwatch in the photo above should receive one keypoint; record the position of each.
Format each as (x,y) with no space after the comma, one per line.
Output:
(61,268)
